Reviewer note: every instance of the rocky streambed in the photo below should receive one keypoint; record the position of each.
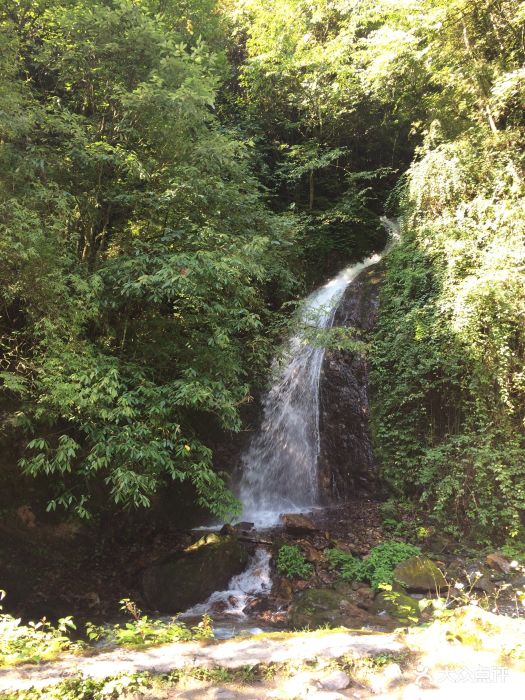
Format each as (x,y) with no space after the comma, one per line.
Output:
(165,574)
(207,576)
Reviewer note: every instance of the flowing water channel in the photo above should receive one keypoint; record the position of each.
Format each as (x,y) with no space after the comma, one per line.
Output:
(228,607)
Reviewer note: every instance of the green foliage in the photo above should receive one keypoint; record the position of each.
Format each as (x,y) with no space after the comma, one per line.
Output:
(137,256)
(402,521)
(377,568)
(42,641)
(123,685)
(89,688)
(514,550)
(144,631)
(292,564)
(348,565)
(379,565)
(142,268)
(34,642)
(447,358)
(303,84)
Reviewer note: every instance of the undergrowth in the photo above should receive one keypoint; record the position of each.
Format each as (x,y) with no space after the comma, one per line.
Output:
(34,642)
(142,630)
(42,641)
(377,568)
(292,564)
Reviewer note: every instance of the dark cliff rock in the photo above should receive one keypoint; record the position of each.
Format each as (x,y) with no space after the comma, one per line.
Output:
(346,461)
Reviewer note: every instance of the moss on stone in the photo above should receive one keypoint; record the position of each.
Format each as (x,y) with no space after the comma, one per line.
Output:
(398,605)
(419,574)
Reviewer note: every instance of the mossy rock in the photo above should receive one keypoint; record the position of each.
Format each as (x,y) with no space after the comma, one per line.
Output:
(419,574)
(318,607)
(398,605)
(186,578)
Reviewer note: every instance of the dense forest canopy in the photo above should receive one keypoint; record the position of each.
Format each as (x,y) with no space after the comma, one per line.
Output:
(173,174)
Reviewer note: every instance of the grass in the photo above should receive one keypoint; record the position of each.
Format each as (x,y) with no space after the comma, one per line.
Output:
(36,642)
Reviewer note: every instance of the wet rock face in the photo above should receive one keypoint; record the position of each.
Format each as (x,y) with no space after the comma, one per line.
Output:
(186,578)
(346,462)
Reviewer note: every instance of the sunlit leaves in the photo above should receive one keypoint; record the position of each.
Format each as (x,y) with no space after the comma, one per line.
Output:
(448,358)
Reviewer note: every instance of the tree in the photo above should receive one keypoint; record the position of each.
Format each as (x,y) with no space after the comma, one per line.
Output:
(137,249)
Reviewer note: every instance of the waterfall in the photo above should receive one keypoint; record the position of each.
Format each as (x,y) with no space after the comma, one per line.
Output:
(280,465)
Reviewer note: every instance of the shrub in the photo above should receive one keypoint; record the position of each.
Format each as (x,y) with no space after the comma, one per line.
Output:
(292,564)
(142,630)
(377,568)
(347,564)
(36,641)
(447,352)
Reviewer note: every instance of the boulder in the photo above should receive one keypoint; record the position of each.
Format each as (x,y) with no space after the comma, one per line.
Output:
(386,678)
(298,524)
(318,607)
(311,553)
(227,529)
(359,594)
(499,562)
(189,577)
(398,605)
(255,606)
(419,574)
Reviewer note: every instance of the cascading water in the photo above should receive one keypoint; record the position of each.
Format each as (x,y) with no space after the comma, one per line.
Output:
(253,582)
(228,607)
(280,466)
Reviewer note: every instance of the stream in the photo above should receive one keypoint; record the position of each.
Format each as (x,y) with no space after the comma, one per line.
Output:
(227,608)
